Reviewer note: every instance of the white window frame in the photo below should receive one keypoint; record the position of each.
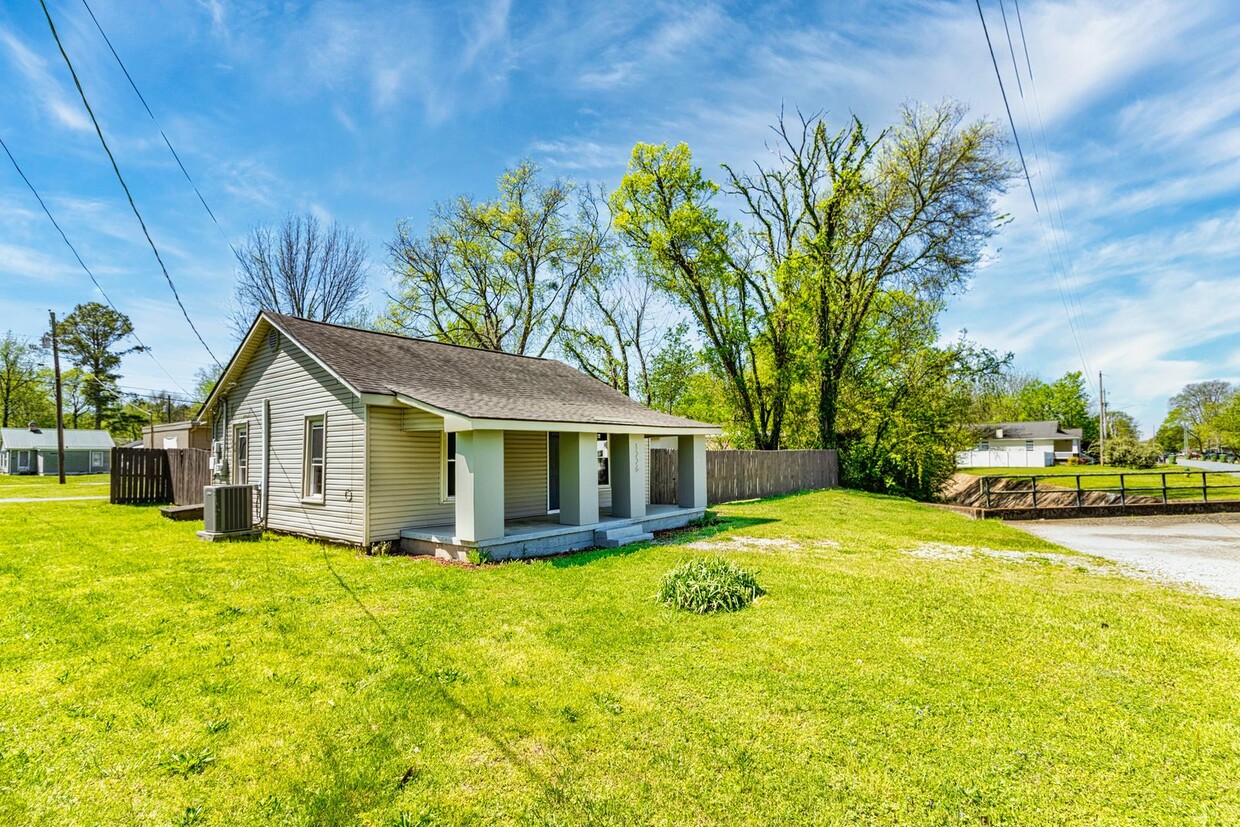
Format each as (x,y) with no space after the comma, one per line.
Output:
(241,459)
(307,480)
(23,453)
(94,464)
(4,462)
(983,446)
(447,467)
(1028,444)
(603,455)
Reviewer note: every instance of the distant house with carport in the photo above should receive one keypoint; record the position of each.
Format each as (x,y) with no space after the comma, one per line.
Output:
(32,450)
(363,437)
(1022,445)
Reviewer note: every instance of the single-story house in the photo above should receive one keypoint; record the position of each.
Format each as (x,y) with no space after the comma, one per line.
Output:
(32,450)
(1022,445)
(188,434)
(363,437)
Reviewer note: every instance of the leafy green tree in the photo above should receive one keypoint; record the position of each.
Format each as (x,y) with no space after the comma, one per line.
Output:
(906,211)
(74,386)
(1197,405)
(502,274)
(905,406)
(664,209)
(205,380)
(91,336)
(1170,434)
(1121,425)
(23,394)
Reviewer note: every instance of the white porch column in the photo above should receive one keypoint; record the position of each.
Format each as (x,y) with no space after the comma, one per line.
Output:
(480,485)
(691,471)
(578,478)
(628,475)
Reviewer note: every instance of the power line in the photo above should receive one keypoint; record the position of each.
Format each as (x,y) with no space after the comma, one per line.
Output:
(1058,233)
(76,255)
(124,186)
(1002,91)
(155,120)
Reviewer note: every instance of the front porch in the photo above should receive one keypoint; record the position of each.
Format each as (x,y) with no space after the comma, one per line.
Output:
(542,536)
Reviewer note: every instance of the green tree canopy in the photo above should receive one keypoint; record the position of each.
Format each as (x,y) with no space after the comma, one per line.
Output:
(91,337)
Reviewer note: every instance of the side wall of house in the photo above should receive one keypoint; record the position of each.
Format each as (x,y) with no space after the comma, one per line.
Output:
(404,474)
(297,388)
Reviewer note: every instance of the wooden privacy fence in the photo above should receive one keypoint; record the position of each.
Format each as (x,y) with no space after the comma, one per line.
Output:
(148,476)
(747,475)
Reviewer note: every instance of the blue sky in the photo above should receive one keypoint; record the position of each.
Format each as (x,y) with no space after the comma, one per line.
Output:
(371,112)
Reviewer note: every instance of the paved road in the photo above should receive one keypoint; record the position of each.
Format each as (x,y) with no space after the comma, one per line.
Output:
(1201,550)
(1203,465)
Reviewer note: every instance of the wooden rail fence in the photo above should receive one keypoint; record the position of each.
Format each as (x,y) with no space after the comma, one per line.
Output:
(150,476)
(747,475)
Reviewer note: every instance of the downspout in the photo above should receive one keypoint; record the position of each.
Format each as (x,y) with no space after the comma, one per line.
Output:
(262,508)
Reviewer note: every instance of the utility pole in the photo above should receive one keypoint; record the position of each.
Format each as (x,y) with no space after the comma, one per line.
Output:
(1102,422)
(60,415)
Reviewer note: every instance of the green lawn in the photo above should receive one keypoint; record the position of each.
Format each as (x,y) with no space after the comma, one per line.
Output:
(87,485)
(150,678)
(1222,485)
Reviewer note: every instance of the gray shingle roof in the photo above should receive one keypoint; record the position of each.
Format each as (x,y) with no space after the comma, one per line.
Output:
(478,384)
(23,439)
(1048,429)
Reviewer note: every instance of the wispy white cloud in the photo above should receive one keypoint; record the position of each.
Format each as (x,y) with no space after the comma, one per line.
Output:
(61,109)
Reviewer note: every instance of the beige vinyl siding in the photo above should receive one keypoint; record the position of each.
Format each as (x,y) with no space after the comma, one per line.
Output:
(405,472)
(413,419)
(525,474)
(298,387)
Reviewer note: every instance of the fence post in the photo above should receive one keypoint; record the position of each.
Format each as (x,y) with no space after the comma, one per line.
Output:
(1080,499)
(1123,498)
(1164,487)
(1035,491)
(1205,496)
(986,489)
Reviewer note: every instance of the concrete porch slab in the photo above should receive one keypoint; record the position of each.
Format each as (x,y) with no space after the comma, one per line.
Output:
(540,536)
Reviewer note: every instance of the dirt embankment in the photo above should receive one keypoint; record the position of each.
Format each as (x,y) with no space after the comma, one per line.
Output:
(966,490)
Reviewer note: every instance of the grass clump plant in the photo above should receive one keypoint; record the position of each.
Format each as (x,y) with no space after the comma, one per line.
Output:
(709,584)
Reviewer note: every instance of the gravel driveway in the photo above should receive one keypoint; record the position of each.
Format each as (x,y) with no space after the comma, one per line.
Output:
(1201,550)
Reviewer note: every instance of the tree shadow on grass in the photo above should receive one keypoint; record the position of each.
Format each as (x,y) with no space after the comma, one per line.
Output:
(675,536)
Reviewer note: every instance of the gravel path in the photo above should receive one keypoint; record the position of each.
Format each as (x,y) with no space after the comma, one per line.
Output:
(1201,550)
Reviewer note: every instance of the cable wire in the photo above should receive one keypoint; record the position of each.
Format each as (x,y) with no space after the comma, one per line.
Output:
(155,120)
(1003,91)
(124,186)
(76,255)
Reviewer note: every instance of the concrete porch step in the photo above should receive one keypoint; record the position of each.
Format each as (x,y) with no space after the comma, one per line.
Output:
(621,536)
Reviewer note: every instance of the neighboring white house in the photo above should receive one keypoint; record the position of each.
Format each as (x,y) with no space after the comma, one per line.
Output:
(363,437)
(1022,445)
(32,450)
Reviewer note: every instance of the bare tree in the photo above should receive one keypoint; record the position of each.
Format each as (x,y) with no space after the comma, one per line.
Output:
(301,268)
(611,336)
(502,274)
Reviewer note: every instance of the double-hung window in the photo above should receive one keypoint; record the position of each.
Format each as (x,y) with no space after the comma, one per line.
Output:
(241,454)
(96,459)
(1028,444)
(316,444)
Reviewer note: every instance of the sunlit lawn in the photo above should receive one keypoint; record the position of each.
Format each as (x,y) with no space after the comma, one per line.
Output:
(87,485)
(1183,482)
(150,678)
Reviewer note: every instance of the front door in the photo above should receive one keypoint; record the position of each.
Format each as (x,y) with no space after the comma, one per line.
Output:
(553,472)
(23,462)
